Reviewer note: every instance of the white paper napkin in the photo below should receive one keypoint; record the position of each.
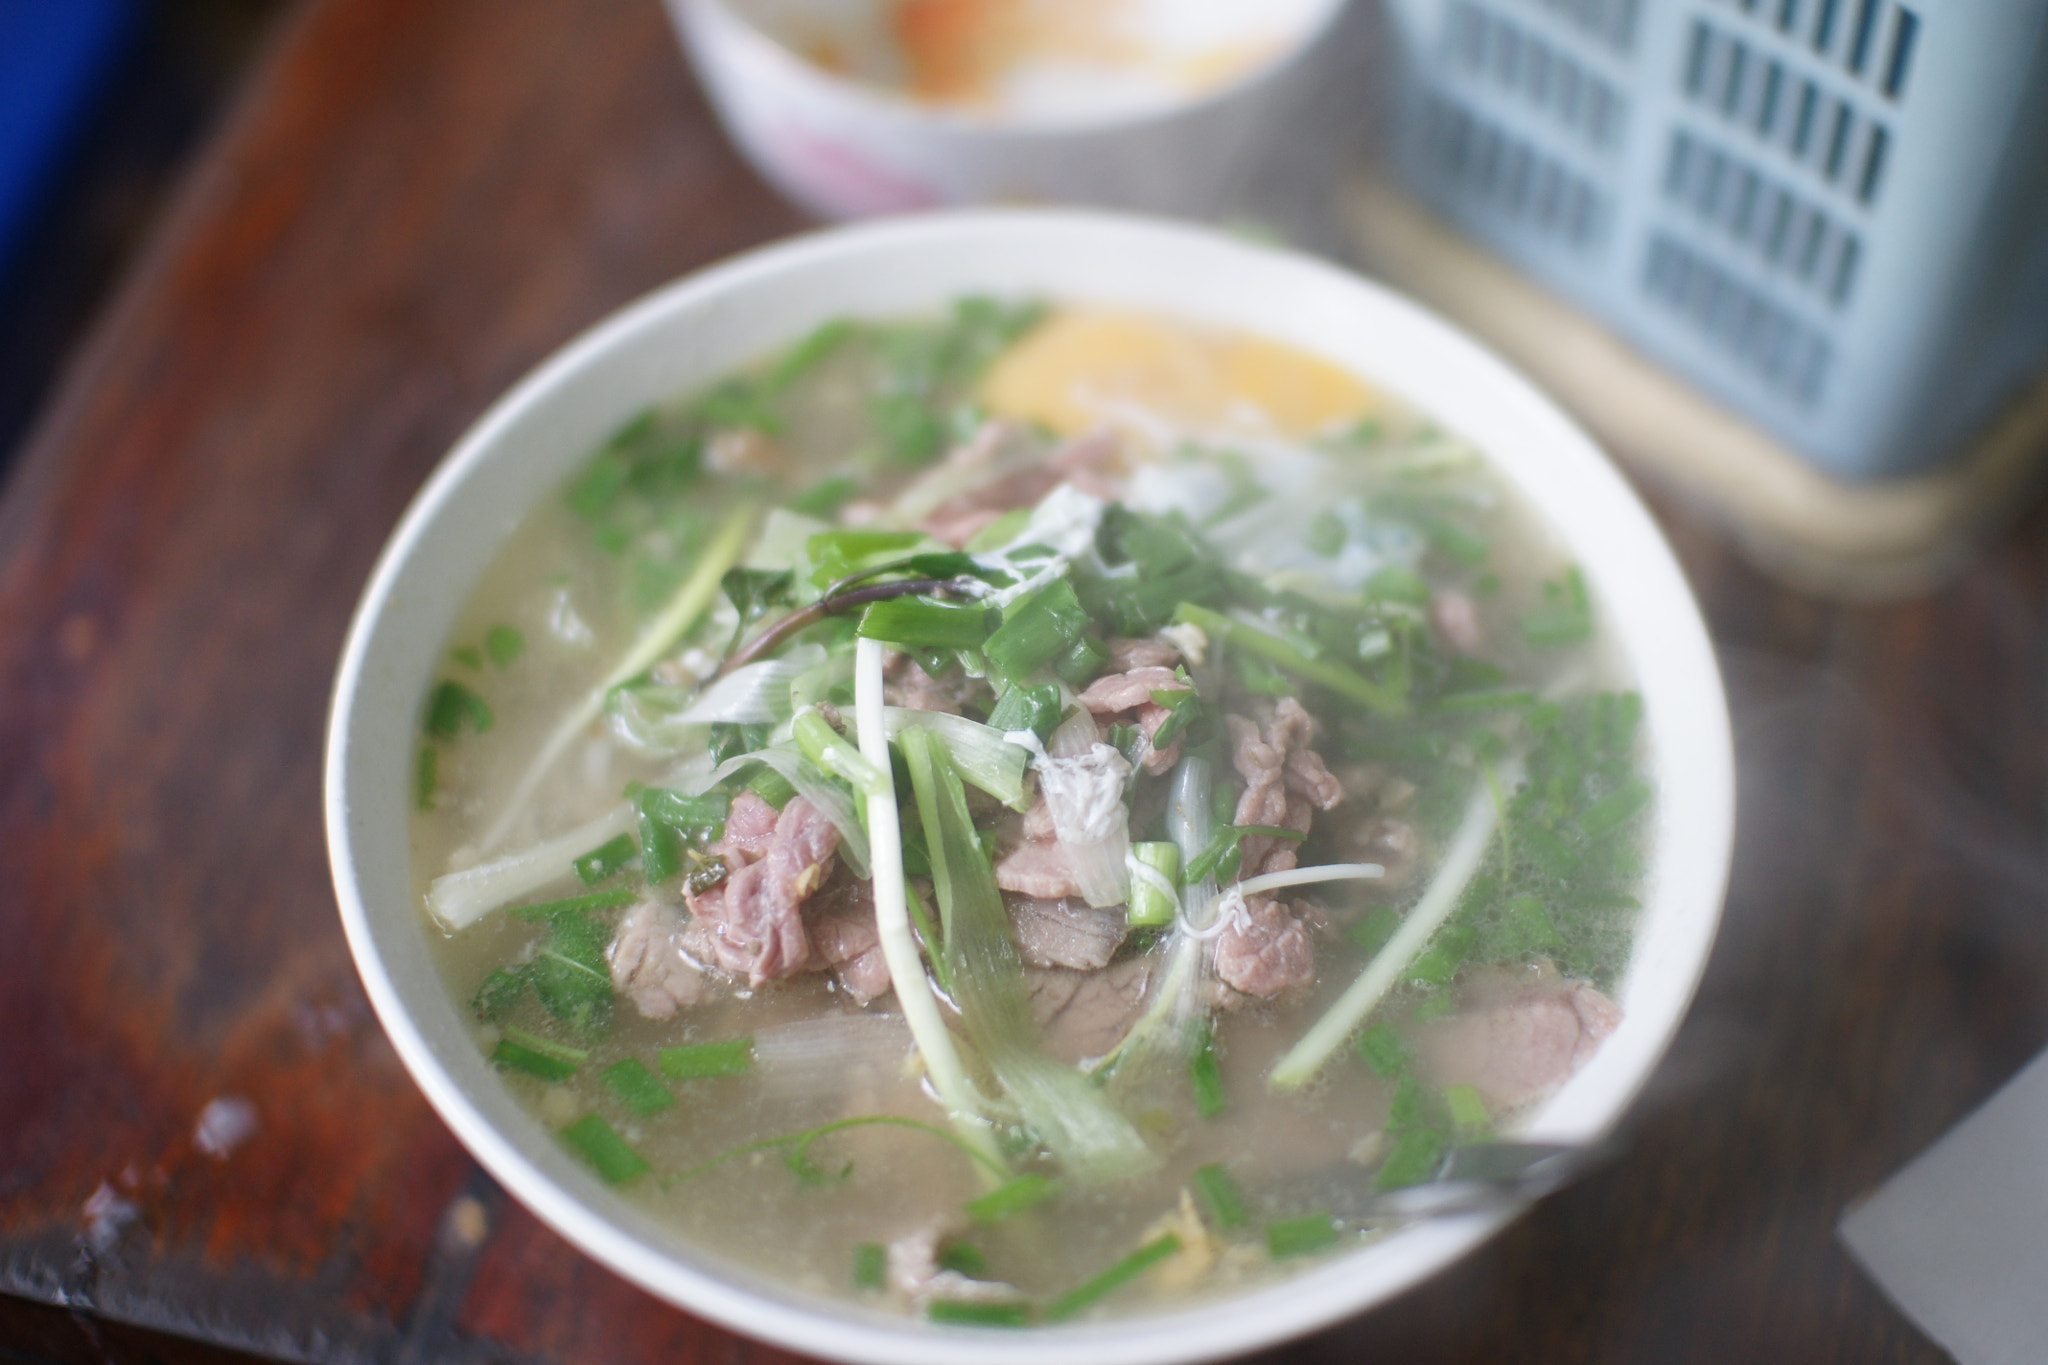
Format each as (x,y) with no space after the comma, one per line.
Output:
(1959,1238)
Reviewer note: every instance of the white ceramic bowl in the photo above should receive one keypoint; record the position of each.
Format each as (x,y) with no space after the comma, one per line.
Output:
(688,333)
(843,149)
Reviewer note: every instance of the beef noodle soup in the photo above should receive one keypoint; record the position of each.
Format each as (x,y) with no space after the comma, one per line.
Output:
(1030,813)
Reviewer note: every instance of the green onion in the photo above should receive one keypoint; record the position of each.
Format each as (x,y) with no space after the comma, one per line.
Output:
(806,355)
(1035,708)
(825,497)
(1219,1195)
(453,706)
(1417,1154)
(1615,809)
(870,1266)
(606,859)
(426,777)
(915,620)
(1082,662)
(497,994)
(1434,1006)
(637,1087)
(693,1061)
(1205,1074)
(661,850)
(1485,699)
(1384,1050)
(1275,650)
(1149,904)
(1012,1196)
(538,1056)
(1440,962)
(1374,928)
(1467,547)
(1100,1286)
(685,812)
(1218,859)
(591,1138)
(1299,1236)
(976,1313)
(839,553)
(1565,618)
(962,1258)
(999,532)
(1468,1108)
(610,899)
(504,644)
(1182,706)
(800,1144)
(832,752)
(772,787)
(1259,677)
(1036,630)
(469,656)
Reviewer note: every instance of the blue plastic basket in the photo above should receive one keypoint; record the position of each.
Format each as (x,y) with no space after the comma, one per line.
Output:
(1832,215)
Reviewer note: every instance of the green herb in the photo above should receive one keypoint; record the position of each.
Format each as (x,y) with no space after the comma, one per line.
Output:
(469,656)
(1395,583)
(704,814)
(570,974)
(839,554)
(1417,1154)
(537,1056)
(1468,1109)
(1219,858)
(1219,1195)
(1107,1282)
(1182,707)
(1343,681)
(1036,630)
(979,1313)
(1372,929)
(609,899)
(453,706)
(497,994)
(1012,1196)
(1205,1074)
(870,1266)
(591,1138)
(606,859)
(1311,1232)
(504,644)
(661,850)
(1440,961)
(1434,1006)
(1566,616)
(1258,677)
(1385,1050)
(1486,699)
(426,777)
(637,1087)
(917,620)
(1035,708)
(963,1258)
(693,1061)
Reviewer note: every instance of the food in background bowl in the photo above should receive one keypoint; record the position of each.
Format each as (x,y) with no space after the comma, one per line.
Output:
(1014,785)
(1099,798)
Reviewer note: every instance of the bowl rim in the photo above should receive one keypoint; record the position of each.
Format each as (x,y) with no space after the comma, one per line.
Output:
(712,1288)
(881,103)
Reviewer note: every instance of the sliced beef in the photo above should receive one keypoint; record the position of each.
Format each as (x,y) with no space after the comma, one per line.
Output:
(649,964)
(1065,932)
(914,1272)
(1266,949)
(1086,1014)
(1455,618)
(1517,1034)
(1285,781)
(1127,653)
(1128,696)
(1038,868)
(753,920)
(907,685)
(845,939)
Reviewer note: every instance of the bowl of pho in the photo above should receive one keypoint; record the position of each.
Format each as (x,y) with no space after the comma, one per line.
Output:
(1003,782)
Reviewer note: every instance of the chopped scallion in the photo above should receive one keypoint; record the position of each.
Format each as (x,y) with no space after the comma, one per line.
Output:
(609,899)
(693,1061)
(1417,1154)
(979,1313)
(1219,1195)
(1107,1282)
(598,1143)
(916,620)
(426,777)
(1011,1197)
(504,644)
(1384,1050)
(1036,630)
(962,1258)
(1566,616)
(1468,1108)
(1275,650)
(1300,1236)
(1154,902)
(870,1266)
(606,859)
(452,707)
(536,1056)
(1035,708)
(1206,1076)
(637,1087)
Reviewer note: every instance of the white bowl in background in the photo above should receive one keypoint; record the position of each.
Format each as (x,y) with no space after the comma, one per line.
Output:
(697,329)
(842,148)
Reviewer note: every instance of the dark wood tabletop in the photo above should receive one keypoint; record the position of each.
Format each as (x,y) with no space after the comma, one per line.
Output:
(207,1146)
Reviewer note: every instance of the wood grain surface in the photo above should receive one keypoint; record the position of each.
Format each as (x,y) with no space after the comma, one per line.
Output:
(412,204)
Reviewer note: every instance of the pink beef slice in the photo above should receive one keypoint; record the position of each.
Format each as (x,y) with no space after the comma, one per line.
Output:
(1086,1014)
(1065,932)
(1127,652)
(649,965)
(1517,1034)
(1036,865)
(909,686)
(753,921)
(1285,782)
(1128,695)
(845,939)
(1267,950)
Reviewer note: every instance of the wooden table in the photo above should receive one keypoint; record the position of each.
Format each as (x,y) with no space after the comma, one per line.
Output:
(411,205)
